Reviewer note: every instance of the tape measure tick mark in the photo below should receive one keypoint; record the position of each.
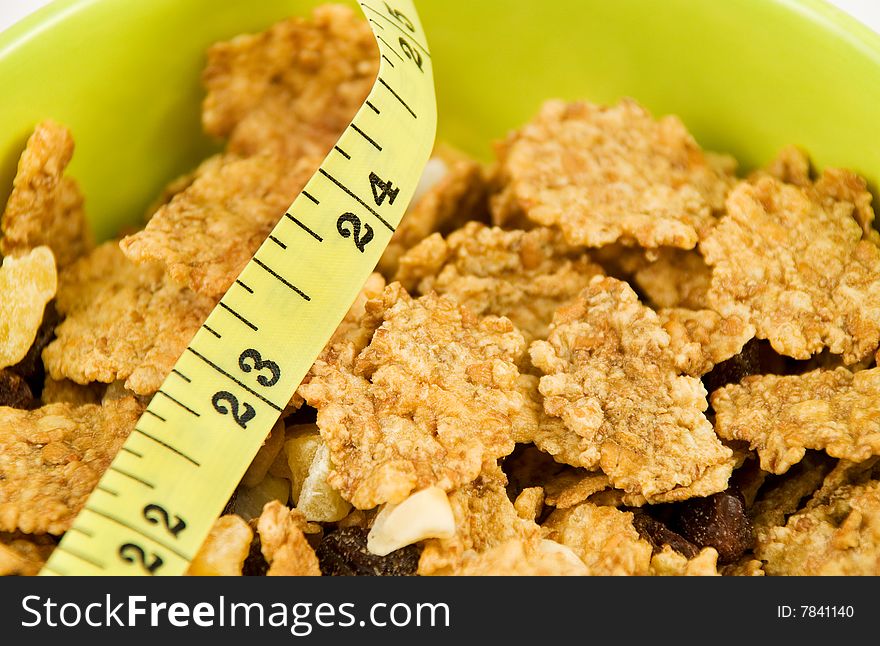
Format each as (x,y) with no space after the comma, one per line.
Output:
(131,476)
(179,403)
(212,330)
(280,278)
(305,228)
(397,96)
(181,375)
(278,242)
(389,47)
(359,200)
(367,137)
(167,446)
(132,452)
(241,284)
(233,379)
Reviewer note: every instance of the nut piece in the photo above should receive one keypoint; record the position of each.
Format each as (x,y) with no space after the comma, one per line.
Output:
(309,460)
(424,514)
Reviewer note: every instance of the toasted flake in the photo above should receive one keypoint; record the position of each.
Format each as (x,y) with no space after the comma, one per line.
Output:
(604,174)
(837,536)
(781,498)
(354,332)
(484,519)
(668,562)
(548,433)
(26,285)
(529,503)
(45,207)
(290,90)
(523,275)
(791,166)
(458,196)
(225,549)
(603,537)
(124,322)
(52,457)
(207,233)
(610,375)
(572,487)
(65,391)
(674,278)
(781,416)
(22,554)
(515,558)
(700,339)
(284,544)
(426,403)
(793,262)
(747,566)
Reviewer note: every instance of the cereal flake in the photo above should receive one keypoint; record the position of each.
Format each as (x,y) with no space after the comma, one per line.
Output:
(700,339)
(426,403)
(290,90)
(284,544)
(124,322)
(52,457)
(604,174)
(793,261)
(781,416)
(523,275)
(610,375)
(208,232)
(603,537)
(225,549)
(837,536)
(45,207)
(457,197)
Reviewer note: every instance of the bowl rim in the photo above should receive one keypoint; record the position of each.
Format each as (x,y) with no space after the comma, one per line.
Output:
(819,12)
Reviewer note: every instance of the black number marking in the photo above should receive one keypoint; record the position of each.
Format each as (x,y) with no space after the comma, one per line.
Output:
(224,396)
(155,514)
(355,222)
(135,554)
(260,364)
(381,190)
(401,18)
(411,53)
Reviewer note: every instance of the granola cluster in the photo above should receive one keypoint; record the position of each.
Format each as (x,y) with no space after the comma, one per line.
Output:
(604,354)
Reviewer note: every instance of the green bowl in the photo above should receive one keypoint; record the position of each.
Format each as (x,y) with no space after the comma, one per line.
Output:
(747,76)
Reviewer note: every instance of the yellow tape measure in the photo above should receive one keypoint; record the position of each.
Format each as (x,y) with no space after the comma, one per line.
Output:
(156,503)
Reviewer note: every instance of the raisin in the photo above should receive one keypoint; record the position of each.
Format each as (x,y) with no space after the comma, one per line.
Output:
(719,521)
(255,564)
(344,553)
(31,367)
(733,370)
(14,391)
(658,535)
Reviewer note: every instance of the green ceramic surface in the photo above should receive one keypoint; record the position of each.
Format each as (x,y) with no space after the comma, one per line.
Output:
(747,76)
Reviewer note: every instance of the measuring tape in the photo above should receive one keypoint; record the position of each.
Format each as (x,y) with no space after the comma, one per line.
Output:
(159,498)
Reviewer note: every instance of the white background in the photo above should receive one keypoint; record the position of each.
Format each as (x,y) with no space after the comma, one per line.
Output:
(868,11)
